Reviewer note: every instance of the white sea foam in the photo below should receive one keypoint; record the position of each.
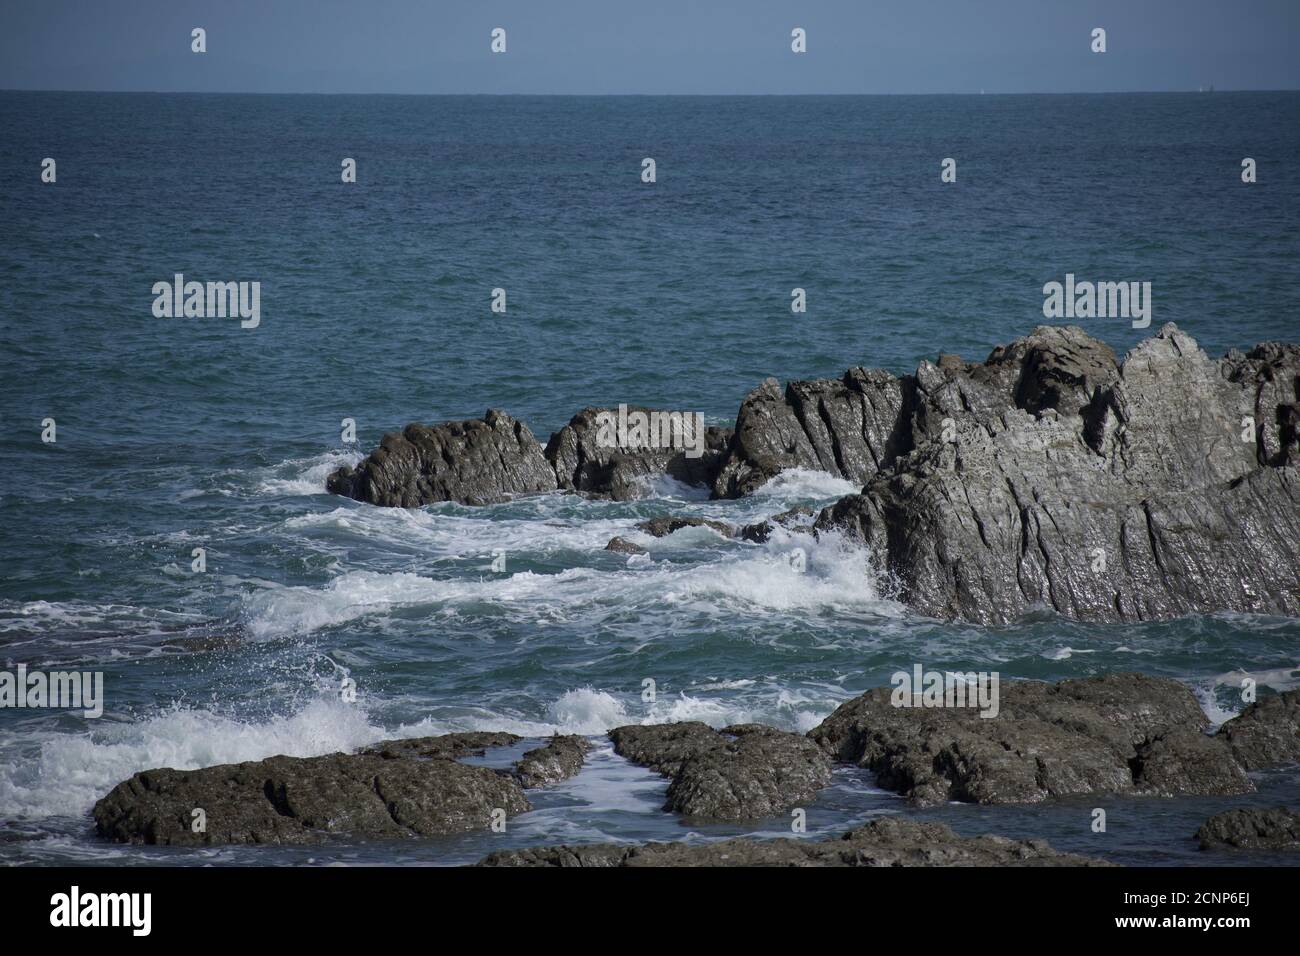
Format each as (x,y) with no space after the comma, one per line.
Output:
(746,580)
(63,774)
(306,476)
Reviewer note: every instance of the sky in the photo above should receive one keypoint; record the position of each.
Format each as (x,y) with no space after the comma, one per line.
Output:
(650,46)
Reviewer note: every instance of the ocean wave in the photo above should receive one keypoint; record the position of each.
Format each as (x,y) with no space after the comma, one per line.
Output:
(306,476)
(791,573)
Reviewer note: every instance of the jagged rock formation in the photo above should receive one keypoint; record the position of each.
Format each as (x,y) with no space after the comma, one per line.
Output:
(885,842)
(475,462)
(584,464)
(400,788)
(1052,475)
(1118,733)
(1049,475)
(1251,828)
(850,428)
(742,772)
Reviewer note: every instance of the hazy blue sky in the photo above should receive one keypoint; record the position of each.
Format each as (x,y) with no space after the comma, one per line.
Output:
(655,46)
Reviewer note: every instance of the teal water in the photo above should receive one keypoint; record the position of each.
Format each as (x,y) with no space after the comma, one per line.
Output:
(180,433)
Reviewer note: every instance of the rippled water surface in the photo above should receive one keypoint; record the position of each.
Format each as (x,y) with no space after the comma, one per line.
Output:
(175,434)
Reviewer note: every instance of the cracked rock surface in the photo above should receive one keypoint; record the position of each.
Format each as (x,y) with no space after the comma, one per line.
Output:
(740,772)
(1118,733)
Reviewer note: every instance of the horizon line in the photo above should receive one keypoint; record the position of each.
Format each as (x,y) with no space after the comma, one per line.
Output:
(1165,92)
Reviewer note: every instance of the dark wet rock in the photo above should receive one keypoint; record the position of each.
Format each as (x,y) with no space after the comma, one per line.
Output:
(396,789)
(1251,828)
(742,772)
(886,842)
(560,758)
(1183,762)
(585,463)
(1053,476)
(663,526)
(473,462)
(472,743)
(760,531)
(1267,733)
(1116,733)
(851,428)
(623,546)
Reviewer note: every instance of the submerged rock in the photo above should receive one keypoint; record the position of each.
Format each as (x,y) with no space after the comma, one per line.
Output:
(474,462)
(1267,733)
(663,526)
(401,788)
(740,772)
(886,842)
(1053,475)
(760,531)
(559,759)
(585,464)
(1117,733)
(623,546)
(1251,828)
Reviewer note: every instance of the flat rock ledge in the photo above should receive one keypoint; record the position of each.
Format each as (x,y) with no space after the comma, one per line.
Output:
(1118,733)
(884,842)
(1051,475)
(745,771)
(1251,828)
(394,790)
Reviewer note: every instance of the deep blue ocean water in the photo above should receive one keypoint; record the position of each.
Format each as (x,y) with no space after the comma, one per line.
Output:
(180,433)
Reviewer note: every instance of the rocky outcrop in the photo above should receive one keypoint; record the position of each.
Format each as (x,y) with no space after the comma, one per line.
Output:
(851,428)
(1251,828)
(666,525)
(1267,733)
(476,462)
(1049,475)
(586,461)
(885,842)
(559,759)
(1053,475)
(400,788)
(741,772)
(1115,734)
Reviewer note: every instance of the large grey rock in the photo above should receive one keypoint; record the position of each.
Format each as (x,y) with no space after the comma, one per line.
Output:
(1251,828)
(1051,475)
(741,772)
(400,788)
(585,464)
(851,428)
(1118,733)
(886,842)
(1267,733)
(474,462)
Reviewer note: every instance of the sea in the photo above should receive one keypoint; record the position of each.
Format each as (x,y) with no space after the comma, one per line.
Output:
(180,437)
